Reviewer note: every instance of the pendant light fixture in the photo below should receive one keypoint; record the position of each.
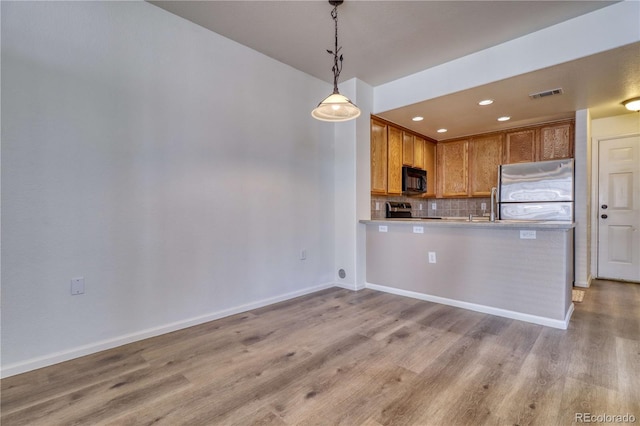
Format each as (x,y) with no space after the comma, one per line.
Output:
(336,107)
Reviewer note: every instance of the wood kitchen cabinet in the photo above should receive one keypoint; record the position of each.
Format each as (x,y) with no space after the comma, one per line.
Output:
(407,149)
(379,145)
(485,155)
(391,148)
(394,169)
(418,152)
(452,169)
(520,146)
(556,141)
(430,167)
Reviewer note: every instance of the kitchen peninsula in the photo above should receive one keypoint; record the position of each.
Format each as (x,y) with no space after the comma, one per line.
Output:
(520,270)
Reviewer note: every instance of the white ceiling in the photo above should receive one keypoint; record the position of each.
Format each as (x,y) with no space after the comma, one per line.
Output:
(385,40)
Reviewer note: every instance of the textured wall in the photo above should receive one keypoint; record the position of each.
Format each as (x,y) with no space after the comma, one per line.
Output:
(489,267)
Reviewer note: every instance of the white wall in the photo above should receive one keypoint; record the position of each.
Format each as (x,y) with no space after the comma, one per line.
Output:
(598,31)
(353,187)
(605,128)
(178,172)
(582,159)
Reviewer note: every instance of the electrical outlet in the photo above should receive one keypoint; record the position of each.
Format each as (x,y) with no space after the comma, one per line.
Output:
(77,286)
(377,206)
(382,228)
(420,206)
(433,206)
(528,234)
(432,257)
(483,206)
(418,230)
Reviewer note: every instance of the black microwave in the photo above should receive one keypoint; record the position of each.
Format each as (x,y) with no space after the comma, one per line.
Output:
(414,181)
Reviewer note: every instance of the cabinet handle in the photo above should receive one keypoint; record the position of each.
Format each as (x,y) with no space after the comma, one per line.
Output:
(604,216)
(604,206)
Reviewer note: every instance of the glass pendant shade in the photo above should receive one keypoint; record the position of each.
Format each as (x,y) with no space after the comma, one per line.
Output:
(336,107)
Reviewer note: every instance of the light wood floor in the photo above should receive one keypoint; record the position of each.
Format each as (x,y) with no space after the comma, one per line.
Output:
(353,358)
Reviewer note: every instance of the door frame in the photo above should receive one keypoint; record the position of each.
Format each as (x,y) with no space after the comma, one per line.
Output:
(595,190)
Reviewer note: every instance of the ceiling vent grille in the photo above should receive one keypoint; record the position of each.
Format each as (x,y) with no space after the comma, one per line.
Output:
(546,93)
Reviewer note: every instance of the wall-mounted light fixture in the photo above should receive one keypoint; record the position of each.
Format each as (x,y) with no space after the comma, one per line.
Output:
(336,107)
(632,104)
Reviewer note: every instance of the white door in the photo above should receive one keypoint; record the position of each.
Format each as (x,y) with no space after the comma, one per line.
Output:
(619,208)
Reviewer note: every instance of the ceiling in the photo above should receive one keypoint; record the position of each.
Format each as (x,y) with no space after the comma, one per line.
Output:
(386,40)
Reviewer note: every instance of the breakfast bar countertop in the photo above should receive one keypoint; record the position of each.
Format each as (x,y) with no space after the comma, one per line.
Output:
(480,222)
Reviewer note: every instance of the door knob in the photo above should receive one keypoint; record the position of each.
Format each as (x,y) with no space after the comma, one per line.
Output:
(604,216)
(604,207)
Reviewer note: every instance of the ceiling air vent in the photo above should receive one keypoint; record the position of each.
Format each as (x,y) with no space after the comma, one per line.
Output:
(546,93)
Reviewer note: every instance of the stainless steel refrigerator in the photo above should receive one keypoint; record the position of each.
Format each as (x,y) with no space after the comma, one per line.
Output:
(536,191)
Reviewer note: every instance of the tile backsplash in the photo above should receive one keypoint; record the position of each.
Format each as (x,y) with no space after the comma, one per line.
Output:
(445,207)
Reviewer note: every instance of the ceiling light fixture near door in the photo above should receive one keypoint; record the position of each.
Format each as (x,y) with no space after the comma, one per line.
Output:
(505,118)
(336,107)
(417,118)
(485,102)
(632,104)
(442,130)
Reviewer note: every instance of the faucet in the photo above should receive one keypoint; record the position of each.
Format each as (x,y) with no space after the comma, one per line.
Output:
(494,192)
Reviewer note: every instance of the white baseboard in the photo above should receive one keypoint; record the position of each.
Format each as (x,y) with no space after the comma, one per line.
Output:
(66,355)
(549,322)
(352,287)
(583,284)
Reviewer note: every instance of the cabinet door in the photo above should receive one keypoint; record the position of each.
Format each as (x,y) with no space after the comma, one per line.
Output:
(378,157)
(407,149)
(394,170)
(520,146)
(556,141)
(485,155)
(452,169)
(418,152)
(430,167)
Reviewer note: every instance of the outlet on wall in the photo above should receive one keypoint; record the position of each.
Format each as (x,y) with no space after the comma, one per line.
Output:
(77,286)
(483,206)
(432,257)
(433,206)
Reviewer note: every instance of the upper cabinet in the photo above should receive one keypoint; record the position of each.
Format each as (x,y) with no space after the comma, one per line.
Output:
(463,167)
(430,167)
(540,143)
(452,169)
(394,186)
(520,146)
(485,155)
(391,148)
(379,144)
(407,149)
(418,153)
(556,141)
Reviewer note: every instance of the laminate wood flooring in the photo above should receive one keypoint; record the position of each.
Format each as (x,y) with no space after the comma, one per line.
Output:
(353,358)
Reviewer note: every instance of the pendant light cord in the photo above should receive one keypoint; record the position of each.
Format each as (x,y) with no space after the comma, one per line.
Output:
(337,66)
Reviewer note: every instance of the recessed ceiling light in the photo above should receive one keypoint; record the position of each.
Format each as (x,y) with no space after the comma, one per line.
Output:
(442,130)
(418,118)
(485,102)
(632,104)
(505,118)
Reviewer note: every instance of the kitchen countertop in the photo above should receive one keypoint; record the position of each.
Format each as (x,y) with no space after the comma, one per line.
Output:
(463,222)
